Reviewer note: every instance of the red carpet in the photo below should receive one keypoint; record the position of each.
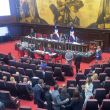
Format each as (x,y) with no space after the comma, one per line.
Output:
(10,47)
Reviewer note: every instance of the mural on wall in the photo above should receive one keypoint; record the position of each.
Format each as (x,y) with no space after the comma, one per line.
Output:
(84,13)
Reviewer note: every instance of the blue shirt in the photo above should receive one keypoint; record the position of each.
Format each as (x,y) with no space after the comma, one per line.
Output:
(44,65)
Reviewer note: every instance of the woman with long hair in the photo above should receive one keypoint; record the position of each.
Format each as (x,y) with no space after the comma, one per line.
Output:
(76,102)
(88,89)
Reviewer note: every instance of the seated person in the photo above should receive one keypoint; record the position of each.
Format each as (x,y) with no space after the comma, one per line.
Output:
(66,37)
(50,52)
(5,79)
(106,78)
(10,56)
(94,77)
(80,71)
(19,60)
(21,47)
(2,106)
(101,65)
(51,37)
(43,63)
(28,61)
(60,37)
(76,39)
(29,84)
(35,35)
(42,71)
(64,86)
(13,80)
(41,36)
(14,59)
(51,60)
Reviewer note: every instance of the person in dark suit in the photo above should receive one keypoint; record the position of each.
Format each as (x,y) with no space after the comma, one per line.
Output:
(32,32)
(64,95)
(10,57)
(51,37)
(38,94)
(66,37)
(76,39)
(25,8)
(76,102)
(29,84)
(48,98)
(77,62)
(35,35)
(56,98)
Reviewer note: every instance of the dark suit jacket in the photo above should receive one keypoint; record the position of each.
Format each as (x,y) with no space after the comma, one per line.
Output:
(48,99)
(76,105)
(77,40)
(77,60)
(32,33)
(64,97)
(38,95)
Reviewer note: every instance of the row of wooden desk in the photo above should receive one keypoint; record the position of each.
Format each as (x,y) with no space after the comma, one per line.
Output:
(57,45)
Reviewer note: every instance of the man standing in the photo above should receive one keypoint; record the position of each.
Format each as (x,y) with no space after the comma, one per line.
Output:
(69,57)
(56,98)
(32,32)
(38,94)
(77,62)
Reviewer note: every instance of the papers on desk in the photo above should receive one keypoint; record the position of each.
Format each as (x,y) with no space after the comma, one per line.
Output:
(27,36)
(52,40)
(76,43)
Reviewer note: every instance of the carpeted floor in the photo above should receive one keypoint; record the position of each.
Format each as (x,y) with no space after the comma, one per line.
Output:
(10,47)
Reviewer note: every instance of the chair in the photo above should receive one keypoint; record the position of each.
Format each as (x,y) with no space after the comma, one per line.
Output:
(52,50)
(98,70)
(5,68)
(23,76)
(1,75)
(91,104)
(49,80)
(51,64)
(6,59)
(21,53)
(59,74)
(96,84)
(1,55)
(37,62)
(29,72)
(33,67)
(38,34)
(39,74)
(104,66)
(100,94)
(7,74)
(68,70)
(11,63)
(23,59)
(21,71)
(46,56)
(70,90)
(81,82)
(40,66)
(87,70)
(59,57)
(102,77)
(45,36)
(12,69)
(107,70)
(57,65)
(24,108)
(1,68)
(17,77)
(34,81)
(11,86)
(107,86)
(96,65)
(9,102)
(17,64)
(71,81)
(79,77)
(26,53)
(48,68)
(60,88)
(3,85)
(105,104)
(90,74)
(25,65)
(37,56)
(24,93)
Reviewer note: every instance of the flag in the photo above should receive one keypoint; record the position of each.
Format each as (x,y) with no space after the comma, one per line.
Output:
(56,31)
(72,35)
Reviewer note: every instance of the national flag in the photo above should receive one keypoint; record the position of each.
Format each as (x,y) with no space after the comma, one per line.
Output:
(72,35)
(56,31)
